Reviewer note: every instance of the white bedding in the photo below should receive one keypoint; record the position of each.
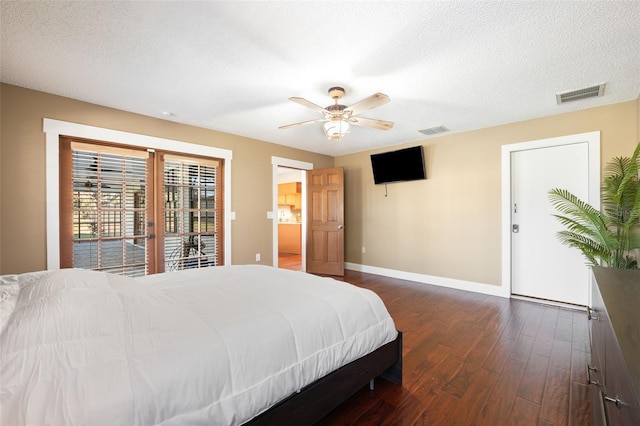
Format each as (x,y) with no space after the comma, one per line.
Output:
(210,346)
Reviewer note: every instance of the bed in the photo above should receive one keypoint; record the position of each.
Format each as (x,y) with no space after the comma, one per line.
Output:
(226,345)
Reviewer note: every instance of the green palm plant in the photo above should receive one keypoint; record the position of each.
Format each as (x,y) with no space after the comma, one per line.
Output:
(611,236)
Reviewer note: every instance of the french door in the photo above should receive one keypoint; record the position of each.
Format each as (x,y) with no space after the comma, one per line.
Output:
(136,212)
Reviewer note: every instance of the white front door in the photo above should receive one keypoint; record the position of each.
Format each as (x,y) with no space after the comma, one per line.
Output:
(541,266)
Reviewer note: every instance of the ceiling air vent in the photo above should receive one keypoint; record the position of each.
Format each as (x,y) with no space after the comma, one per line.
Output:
(574,95)
(434,130)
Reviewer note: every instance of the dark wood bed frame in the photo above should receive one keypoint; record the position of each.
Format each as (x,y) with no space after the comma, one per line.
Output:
(318,399)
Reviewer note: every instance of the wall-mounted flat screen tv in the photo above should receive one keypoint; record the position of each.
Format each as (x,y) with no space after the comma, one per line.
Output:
(398,166)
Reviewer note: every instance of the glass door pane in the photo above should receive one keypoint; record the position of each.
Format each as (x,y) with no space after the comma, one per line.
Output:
(109,209)
(191,218)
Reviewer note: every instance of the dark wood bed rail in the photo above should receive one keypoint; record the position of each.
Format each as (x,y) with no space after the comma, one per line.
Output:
(325,394)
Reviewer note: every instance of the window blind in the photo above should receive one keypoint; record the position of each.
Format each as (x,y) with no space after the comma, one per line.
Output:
(192,213)
(109,192)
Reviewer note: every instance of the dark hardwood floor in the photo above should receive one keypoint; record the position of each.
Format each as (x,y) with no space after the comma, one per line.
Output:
(474,359)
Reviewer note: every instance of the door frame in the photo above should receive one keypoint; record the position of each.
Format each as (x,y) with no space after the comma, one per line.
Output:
(303,166)
(593,141)
(53,129)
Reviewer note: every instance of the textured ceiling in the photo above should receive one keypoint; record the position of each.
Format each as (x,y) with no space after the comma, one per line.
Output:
(231,66)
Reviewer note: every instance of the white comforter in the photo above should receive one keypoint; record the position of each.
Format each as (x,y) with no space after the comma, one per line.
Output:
(211,346)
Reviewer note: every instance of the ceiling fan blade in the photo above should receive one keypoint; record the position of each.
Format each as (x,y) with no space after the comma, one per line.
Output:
(308,104)
(371,122)
(372,101)
(287,126)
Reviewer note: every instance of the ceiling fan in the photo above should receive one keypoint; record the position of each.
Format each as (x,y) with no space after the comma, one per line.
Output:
(337,118)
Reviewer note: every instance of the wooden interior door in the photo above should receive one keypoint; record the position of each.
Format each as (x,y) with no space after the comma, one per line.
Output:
(325,224)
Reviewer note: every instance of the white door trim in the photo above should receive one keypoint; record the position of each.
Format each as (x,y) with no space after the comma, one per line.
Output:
(293,164)
(593,140)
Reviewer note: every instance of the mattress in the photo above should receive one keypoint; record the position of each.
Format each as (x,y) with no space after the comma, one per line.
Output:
(205,346)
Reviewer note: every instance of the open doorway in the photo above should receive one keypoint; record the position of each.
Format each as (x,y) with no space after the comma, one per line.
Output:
(290,218)
(289,212)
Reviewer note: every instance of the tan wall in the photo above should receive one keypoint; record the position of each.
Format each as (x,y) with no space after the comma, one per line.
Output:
(22,174)
(449,225)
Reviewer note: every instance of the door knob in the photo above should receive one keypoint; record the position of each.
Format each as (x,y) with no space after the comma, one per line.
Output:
(340,226)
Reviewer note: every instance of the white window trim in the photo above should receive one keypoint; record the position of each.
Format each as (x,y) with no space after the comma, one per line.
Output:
(53,129)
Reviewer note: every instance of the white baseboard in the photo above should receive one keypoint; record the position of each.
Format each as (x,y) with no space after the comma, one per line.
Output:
(493,290)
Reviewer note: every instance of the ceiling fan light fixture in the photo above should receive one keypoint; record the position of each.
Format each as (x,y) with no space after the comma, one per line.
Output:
(337,118)
(336,129)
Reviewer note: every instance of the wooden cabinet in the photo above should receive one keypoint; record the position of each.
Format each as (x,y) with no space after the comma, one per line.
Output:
(289,188)
(614,368)
(290,238)
(294,200)
(297,201)
(290,194)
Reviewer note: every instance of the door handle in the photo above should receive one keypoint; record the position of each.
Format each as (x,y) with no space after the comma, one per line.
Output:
(340,226)
(615,400)
(515,228)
